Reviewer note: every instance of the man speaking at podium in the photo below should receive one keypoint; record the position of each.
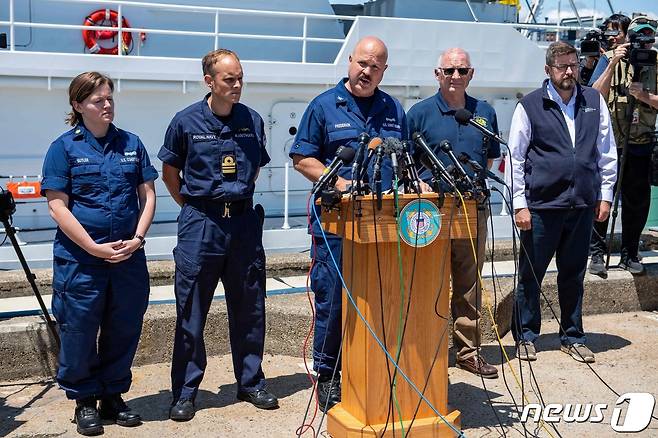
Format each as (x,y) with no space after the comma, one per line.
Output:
(434,118)
(337,118)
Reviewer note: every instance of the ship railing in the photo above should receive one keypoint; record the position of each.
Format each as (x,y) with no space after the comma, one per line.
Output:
(216,34)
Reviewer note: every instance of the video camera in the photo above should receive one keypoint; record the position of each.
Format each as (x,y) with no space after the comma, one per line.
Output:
(7,204)
(595,40)
(641,57)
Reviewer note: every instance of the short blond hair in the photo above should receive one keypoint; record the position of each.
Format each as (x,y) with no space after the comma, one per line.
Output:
(208,62)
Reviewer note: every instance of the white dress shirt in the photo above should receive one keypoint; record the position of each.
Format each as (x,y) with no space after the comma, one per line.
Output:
(519,140)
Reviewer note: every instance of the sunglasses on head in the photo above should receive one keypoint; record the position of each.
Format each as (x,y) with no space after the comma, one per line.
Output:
(449,71)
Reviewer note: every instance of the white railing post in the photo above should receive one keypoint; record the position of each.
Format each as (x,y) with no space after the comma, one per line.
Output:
(304,38)
(286,169)
(120,24)
(11,25)
(216,29)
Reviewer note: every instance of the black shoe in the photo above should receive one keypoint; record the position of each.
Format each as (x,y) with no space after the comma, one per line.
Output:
(632,264)
(183,410)
(113,408)
(597,266)
(328,392)
(259,398)
(87,418)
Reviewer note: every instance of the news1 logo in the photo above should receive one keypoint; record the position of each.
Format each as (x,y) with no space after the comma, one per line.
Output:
(636,419)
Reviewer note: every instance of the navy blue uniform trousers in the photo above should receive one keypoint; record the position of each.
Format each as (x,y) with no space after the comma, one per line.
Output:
(88,299)
(211,247)
(565,234)
(327,287)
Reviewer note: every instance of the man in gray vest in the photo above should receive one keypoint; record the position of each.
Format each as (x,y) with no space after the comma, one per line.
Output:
(563,169)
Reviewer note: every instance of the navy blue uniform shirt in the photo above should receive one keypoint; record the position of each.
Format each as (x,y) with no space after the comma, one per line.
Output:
(219,159)
(101,182)
(334,119)
(433,118)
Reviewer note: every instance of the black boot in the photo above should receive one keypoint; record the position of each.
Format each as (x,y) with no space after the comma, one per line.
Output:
(113,408)
(87,418)
(328,392)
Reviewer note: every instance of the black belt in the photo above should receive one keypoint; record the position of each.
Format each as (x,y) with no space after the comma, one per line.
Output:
(222,208)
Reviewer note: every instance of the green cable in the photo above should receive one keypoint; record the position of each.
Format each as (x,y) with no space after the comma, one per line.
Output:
(401,319)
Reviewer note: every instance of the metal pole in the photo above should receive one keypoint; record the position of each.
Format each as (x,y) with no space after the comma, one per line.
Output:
(11,25)
(304,40)
(470,8)
(286,170)
(217,29)
(120,24)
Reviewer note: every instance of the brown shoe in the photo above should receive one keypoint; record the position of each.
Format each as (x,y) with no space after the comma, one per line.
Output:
(478,366)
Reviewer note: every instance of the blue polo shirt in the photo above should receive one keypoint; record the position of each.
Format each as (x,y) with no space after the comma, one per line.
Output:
(435,120)
(334,119)
(101,182)
(219,157)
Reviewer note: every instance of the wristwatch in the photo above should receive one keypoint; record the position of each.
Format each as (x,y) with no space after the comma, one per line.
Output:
(141,239)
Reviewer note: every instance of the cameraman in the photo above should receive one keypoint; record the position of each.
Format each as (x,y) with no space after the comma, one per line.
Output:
(612,34)
(616,85)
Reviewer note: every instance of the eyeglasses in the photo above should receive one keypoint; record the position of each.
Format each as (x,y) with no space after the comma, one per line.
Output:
(563,67)
(449,71)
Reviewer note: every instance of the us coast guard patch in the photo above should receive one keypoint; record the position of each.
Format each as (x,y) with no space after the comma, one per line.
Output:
(420,223)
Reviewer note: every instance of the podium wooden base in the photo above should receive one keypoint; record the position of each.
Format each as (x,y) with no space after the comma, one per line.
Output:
(343,425)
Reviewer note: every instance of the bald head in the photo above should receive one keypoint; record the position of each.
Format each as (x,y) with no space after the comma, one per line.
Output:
(367,65)
(373,45)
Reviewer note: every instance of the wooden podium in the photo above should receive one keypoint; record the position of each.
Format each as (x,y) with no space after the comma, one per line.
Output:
(370,238)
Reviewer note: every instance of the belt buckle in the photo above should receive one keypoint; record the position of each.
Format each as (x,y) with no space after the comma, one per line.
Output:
(227,210)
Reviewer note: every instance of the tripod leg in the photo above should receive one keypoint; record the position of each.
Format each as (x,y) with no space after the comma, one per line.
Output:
(11,233)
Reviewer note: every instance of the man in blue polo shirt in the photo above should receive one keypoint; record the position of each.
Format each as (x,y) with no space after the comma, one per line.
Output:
(336,118)
(434,118)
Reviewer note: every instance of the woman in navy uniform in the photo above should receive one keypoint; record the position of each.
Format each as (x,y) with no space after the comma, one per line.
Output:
(219,146)
(98,180)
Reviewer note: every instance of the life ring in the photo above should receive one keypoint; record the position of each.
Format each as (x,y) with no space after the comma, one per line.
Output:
(106,17)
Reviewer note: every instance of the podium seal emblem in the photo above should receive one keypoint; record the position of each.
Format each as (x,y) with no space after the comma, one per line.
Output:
(420,223)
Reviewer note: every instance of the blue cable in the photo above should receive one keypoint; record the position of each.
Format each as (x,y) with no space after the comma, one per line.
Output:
(460,434)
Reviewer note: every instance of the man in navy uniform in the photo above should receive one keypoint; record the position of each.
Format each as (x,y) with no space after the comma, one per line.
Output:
(434,118)
(563,159)
(336,118)
(218,144)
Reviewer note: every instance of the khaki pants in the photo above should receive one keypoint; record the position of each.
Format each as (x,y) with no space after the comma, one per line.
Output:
(466,290)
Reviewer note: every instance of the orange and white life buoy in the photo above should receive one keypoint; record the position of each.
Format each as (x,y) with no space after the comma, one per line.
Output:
(110,18)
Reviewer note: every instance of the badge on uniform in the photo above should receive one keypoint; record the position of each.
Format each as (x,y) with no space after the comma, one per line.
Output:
(229,165)
(480,121)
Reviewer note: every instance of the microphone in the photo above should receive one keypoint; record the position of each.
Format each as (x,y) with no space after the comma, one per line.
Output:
(446,147)
(343,156)
(477,168)
(436,163)
(363,140)
(372,148)
(393,147)
(412,173)
(465,117)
